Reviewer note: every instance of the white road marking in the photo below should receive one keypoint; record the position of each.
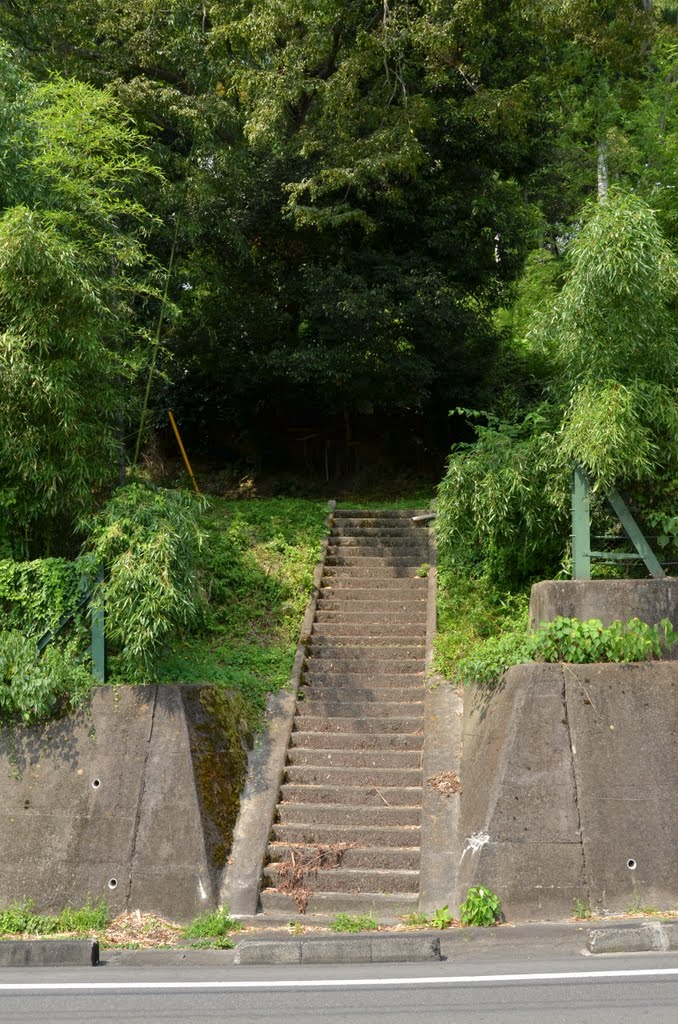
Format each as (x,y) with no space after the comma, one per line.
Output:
(471,979)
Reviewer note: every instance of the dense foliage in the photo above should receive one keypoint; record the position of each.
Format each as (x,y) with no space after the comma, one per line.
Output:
(148,542)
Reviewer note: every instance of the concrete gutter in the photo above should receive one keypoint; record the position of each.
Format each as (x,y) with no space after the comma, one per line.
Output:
(49,953)
(242,878)
(354,949)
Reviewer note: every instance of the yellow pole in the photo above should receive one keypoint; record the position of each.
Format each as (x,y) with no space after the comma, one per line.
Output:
(182,449)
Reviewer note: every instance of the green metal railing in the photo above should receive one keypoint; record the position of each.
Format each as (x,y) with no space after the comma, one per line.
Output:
(582,553)
(92,598)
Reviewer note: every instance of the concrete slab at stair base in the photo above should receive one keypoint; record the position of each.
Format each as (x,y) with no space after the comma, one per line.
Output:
(571,788)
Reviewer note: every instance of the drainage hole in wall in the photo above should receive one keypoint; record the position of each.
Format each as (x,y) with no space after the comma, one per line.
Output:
(113,884)
(631,864)
(96,783)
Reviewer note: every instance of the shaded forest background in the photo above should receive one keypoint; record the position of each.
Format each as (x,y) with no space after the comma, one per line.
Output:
(356,208)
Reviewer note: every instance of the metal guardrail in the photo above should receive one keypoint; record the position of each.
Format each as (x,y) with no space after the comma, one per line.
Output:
(582,553)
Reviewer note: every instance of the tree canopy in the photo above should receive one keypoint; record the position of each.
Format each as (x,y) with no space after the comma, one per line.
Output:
(378,211)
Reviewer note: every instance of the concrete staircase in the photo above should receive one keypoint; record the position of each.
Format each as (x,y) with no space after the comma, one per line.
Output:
(347,825)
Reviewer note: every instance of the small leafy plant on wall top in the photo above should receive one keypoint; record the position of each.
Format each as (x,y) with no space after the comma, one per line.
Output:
(481,908)
(566,640)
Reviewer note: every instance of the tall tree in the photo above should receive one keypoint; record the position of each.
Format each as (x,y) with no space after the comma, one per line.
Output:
(72,265)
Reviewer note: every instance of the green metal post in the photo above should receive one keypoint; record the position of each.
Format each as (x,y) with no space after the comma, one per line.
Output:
(581,525)
(98,634)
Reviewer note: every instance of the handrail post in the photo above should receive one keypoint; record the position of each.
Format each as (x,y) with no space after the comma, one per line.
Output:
(581,525)
(98,632)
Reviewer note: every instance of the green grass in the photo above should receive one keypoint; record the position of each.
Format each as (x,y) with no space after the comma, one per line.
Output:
(257,565)
(353,923)
(21,918)
(213,924)
(469,612)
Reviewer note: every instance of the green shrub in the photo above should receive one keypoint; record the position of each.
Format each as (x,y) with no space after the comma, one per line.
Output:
(149,542)
(353,923)
(481,908)
(211,925)
(565,640)
(34,686)
(21,918)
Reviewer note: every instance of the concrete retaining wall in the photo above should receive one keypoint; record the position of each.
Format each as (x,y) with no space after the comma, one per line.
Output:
(133,801)
(570,788)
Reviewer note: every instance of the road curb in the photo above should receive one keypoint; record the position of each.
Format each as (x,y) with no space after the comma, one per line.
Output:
(353,950)
(637,938)
(49,953)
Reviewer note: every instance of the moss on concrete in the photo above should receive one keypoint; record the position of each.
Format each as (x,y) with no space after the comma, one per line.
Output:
(221,733)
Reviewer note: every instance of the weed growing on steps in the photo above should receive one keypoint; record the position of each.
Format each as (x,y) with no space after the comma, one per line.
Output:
(22,919)
(354,923)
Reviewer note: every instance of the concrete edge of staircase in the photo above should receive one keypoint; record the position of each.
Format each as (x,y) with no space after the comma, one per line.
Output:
(266,765)
(440,845)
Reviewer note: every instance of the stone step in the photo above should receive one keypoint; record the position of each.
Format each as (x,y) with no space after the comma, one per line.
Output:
(352,588)
(364,680)
(375,528)
(346,814)
(381,662)
(378,544)
(365,560)
(391,629)
(380,648)
(401,760)
(329,775)
(355,880)
(383,603)
(359,709)
(363,695)
(387,858)
(357,796)
(368,574)
(373,615)
(403,726)
(379,904)
(380,515)
(359,836)
(356,740)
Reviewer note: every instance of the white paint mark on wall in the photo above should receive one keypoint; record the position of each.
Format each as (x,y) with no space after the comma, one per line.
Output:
(475,842)
(201,890)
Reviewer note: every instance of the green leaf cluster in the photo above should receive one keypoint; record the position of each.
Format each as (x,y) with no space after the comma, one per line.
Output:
(35,595)
(566,640)
(481,908)
(33,687)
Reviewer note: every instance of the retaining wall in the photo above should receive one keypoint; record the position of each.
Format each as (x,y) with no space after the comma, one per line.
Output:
(133,800)
(570,788)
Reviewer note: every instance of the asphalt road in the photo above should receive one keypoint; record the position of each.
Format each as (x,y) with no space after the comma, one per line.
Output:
(604,990)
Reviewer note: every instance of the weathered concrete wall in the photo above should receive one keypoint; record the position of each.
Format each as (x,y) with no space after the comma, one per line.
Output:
(569,774)
(133,801)
(607,600)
